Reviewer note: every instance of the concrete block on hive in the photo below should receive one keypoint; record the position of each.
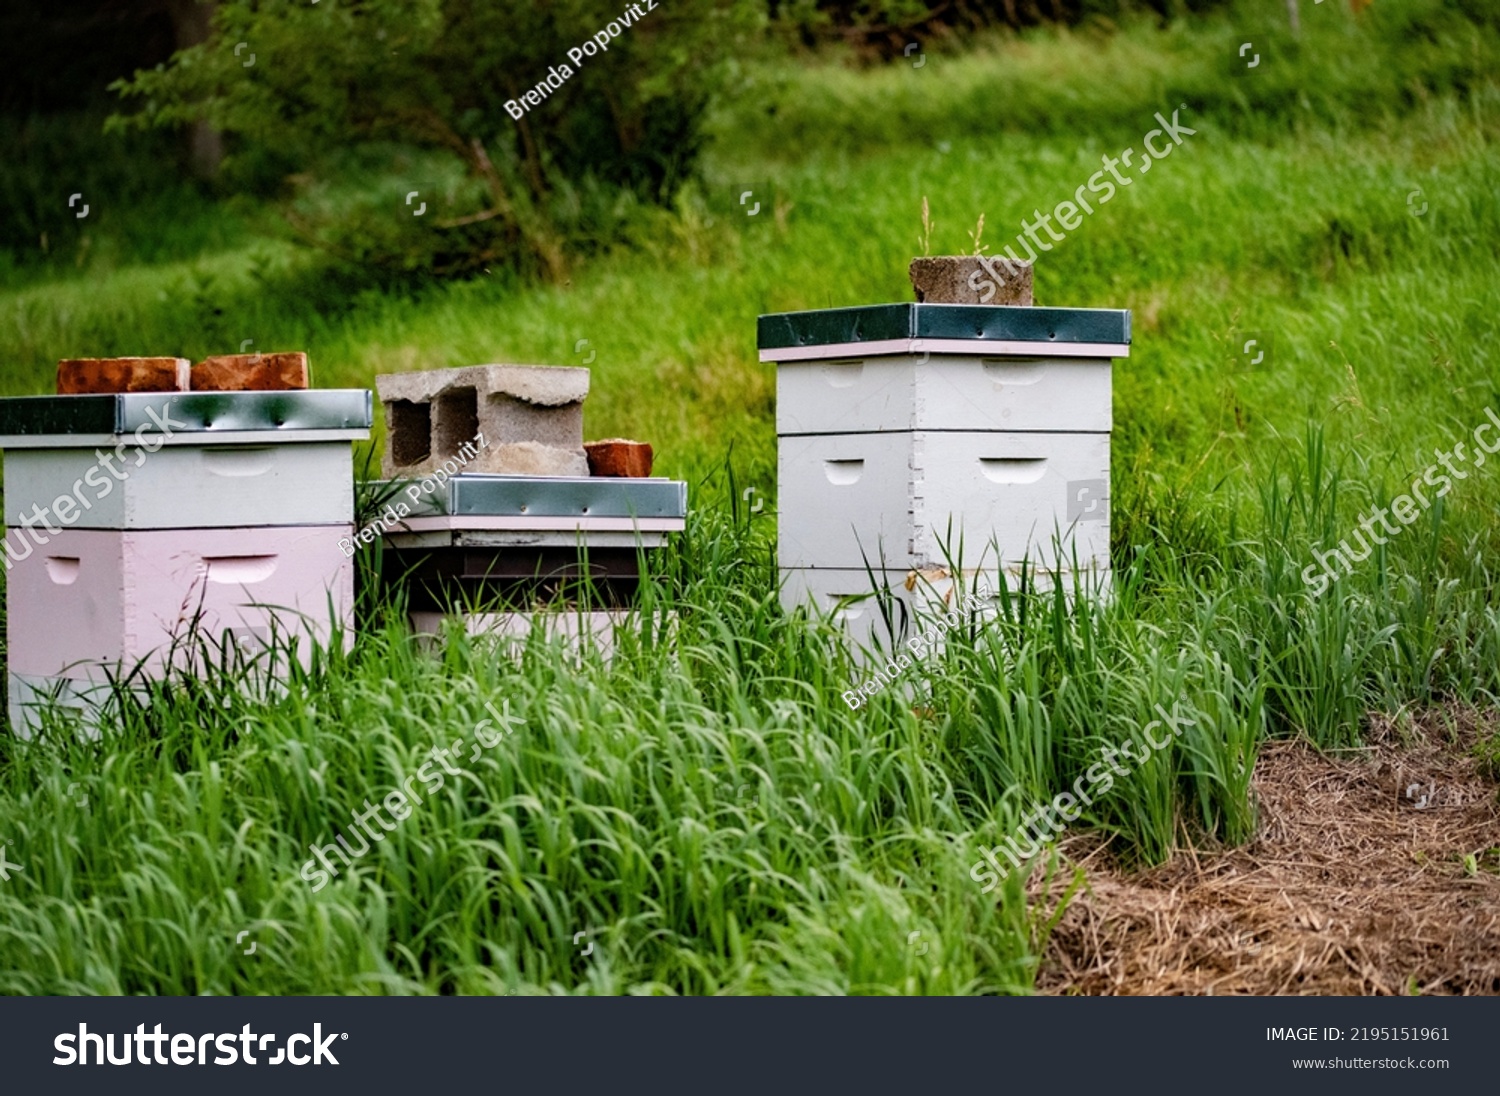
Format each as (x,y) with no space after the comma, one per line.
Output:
(88,376)
(529,458)
(276,372)
(530,419)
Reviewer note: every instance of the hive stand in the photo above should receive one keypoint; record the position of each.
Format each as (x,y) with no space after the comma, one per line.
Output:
(503,553)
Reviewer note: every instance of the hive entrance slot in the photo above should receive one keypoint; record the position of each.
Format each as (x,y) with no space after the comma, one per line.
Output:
(63,570)
(1013,469)
(239,570)
(843,472)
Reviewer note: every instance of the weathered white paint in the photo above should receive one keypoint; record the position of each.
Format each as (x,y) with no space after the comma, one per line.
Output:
(187,487)
(847,498)
(943,392)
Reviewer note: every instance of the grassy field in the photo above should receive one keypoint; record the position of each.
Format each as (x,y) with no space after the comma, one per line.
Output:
(708,813)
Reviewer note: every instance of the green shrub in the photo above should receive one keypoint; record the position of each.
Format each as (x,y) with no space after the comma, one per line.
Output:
(425,78)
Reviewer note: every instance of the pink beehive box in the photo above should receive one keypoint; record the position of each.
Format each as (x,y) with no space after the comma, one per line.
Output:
(94,601)
(151,514)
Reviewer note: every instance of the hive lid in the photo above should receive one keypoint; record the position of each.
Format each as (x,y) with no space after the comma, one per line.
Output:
(944,328)
(192,418)
(477,495)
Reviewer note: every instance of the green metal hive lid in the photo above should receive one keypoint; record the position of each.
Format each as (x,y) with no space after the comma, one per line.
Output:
(981,323)
(477,495)
(186,412)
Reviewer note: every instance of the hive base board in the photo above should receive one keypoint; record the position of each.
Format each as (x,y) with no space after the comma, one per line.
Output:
(94,599)
(81,704)
(913,600)
(85,706)
(513,630)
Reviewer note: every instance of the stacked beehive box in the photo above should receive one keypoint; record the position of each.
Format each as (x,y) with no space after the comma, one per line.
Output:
(145,530)
(935,442)
(494,514)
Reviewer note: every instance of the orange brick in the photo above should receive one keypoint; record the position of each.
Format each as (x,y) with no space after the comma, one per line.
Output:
(86,376)
(619,457)
(251,372)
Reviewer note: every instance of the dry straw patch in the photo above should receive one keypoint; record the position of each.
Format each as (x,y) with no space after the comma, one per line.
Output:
(1348,888)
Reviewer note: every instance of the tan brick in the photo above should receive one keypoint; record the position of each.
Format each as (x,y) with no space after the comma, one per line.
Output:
(251,372)
(85,376)
(619,457)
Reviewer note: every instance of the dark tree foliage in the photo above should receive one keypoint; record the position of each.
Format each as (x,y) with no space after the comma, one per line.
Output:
(435,76)
(879,24)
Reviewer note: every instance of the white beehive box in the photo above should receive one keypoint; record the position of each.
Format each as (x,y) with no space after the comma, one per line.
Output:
(925,498)
(181,486)
(926,435)
(182,460)
(919,390)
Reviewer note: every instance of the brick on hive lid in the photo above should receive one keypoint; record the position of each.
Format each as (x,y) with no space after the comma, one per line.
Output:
(106,376)
(619,457)
(275,372)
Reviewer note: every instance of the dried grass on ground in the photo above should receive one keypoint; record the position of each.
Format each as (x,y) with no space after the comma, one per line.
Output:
(1351,885)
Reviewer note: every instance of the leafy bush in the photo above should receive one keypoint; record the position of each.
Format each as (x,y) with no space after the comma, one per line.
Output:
(414,78)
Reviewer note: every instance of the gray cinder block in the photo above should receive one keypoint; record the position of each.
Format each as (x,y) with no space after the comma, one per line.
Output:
(530,458)
(530,416)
